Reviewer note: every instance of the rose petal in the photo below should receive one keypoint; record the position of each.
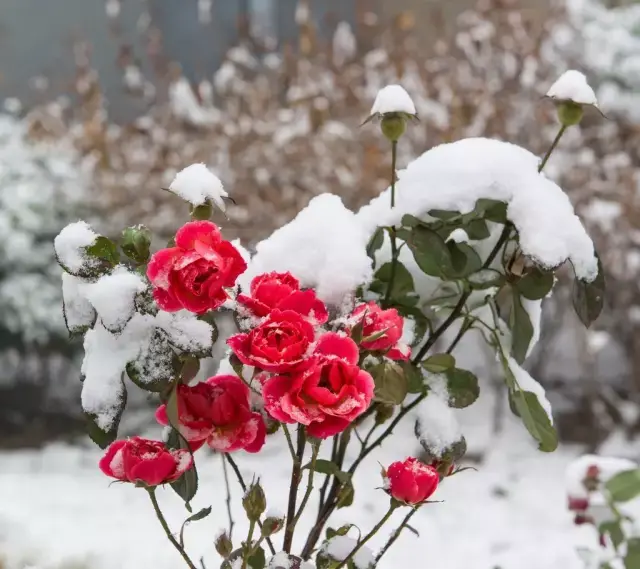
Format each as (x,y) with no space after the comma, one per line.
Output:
(333,344)
(203,231)
(154,471)
(108,462)
(329,427)
(160,265)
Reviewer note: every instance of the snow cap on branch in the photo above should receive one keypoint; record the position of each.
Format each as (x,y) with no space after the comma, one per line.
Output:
(199,185)
(393,99)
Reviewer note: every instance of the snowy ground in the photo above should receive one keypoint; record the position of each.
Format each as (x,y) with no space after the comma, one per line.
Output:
(58,511)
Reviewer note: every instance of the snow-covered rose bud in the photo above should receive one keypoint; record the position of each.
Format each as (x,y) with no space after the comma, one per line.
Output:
(571,93)
(394,107)
(202,212)
(411,481)
(223,544)
(198,185)
(272,524)
(254,501)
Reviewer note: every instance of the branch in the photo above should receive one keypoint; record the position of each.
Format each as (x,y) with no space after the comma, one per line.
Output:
(296,472)
(396,534)
(228,487)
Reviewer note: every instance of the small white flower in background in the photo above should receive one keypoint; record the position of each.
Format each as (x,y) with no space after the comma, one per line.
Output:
(197,185)
(573,86)
(393,99)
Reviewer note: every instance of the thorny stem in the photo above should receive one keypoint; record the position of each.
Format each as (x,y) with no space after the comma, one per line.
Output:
(307,494)
(396,534)
(241,481)
(327,478)
(248,546)
(287,435)
(165,527)
(228,487)
(392,230)
(296,472)
(368,537)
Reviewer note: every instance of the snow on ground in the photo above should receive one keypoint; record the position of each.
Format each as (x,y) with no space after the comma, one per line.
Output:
(58,511)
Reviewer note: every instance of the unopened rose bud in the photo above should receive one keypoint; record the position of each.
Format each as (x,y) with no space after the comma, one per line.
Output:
(569,113)
(578,504)
(393,126)
(254,502)
(271,525)
(202,212)
(571,93)
(394,107)
(593,471)
(135,243)
(223,545)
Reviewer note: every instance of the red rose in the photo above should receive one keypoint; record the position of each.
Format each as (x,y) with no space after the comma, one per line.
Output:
(327,396)
(193,274)
(142,460)
(578,504)
(411,481)
(280,344)
(281,291)
(385,329)
(217,411)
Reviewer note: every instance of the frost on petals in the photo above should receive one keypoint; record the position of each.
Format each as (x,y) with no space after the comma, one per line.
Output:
(328,395)
(197,185)
(573,86)
(393,99)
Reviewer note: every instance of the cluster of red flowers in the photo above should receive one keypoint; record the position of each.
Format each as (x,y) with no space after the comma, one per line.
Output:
(306,370)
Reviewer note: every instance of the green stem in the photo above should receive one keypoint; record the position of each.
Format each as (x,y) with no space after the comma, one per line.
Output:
(165,527)
(367,537)
(555,142)
(243,485)
(228,501)
(396,534)
(287,435)
(392,230)
(296,472)
(307,494)
(248,545)
(327,478)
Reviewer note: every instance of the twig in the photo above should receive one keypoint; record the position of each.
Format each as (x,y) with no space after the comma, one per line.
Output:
(296,472)
(248,546)
(307,494)
(228,487)
(287,435)
(165,527)
(396,534)
(392,230)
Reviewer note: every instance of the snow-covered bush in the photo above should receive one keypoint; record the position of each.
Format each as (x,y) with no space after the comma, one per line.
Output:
(340,317)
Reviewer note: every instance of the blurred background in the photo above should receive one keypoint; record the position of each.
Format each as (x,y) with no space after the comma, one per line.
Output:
(103,101)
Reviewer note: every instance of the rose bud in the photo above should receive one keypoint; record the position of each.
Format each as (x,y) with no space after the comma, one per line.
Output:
(224,546)
(578,504)
(411,481)
(381,330)
(273,523)
(254,501)
(194,274)
(145,462)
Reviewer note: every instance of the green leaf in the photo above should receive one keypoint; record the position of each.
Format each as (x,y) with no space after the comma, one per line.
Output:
(624,486)
(391,385)
(190,368)
(613,530)
(410,221)
(194,518)
(486,278)
(477,229)
(105,250)
(444,215)
(536,284)
(430,252)
(136,242)
(462,386)
(257,560)
(415,381)
(439,363)
(342,530)
(521,329)
(346,495)
(588,298)
(464,260)
(492,210)
(153,370)
(187,485)
(103,438)
(402,282)
(535,419)
(323,466)
(375,243)
(632,558)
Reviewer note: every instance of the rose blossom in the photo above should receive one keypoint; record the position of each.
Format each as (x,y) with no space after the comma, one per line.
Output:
(280,344)
(217,411)
(328,395)
(411,481)
(193,274)
(142,460)
(387,324)
(281,291)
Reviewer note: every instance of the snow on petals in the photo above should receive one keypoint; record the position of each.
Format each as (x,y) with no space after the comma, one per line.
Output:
(70,245)
(393,99)
(573,86)
(198,185)
(462,172)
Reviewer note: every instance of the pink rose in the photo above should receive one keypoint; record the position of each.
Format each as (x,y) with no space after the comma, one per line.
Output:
(218,411)
(327,396)
(141,460)
(411,481)
(280,344)
(384,326)
(281,291)
(194,274)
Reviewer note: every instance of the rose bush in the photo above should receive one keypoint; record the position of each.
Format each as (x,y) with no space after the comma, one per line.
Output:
(328,395)
(144,461)
(193,275)
(217,411)
(411,481)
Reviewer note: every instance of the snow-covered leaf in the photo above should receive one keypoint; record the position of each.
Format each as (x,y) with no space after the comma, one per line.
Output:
(105,250)
(588,297)
(102,432)
(462,386)
(521,328)
(535,419)
(79,315)
(154,368)
(536,284)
